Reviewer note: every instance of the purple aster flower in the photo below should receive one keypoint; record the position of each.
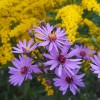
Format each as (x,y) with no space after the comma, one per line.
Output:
(22,47)
(72,82)
(62,60)
(52,37)
(22,71)
(84,52)
(95,67)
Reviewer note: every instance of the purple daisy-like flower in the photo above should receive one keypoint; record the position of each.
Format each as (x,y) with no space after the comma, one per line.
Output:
(84,52)
(72,82)
(22,71)
(23,47)
(63,60)
(95,67)
(52,37)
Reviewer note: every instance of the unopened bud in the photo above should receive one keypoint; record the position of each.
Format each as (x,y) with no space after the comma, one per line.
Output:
(48,82)
(42,24)
(55,28)
(30,32)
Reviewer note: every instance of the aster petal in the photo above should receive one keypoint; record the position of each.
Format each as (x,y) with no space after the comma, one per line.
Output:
(17,49)
(76,71)
(24,43)
(21,43)
(54,53)
(36,69)
(16,63)
(94,66)
(99,75)
(58,44)
(33,47)
(62,76)
(19,46)
(60,69)
(64,86)
(50,46)
(28,76)
(50,62)
(96,71)
(49,28)
(30,43)
(12,70)
(59,82)
(46,31)
(72,65)
(48,56)
(59,35)
(65,49)
(28,62)
(99,54)
(21,80)
(94,61)
(74,59)
(16,79)
(53,66)
(97,59)
(55,46)
(40,29)
(80,76)
(56,79)
(42,37)
(75,87)
(64,92)
(81,84)
(72,89)
(60,41)
(58,30)
(72,53)
(68,70)
(45,43)
(92,52)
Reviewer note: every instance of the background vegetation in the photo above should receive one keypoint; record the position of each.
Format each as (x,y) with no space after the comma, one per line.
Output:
(80,18)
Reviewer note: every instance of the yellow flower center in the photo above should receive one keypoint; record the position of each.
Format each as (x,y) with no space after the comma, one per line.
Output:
(52,37)
(27,49)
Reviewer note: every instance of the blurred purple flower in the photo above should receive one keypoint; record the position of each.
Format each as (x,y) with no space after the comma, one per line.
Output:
(52,37)
(72,82)
(84,52)
(22,71)
(35,69)
(95,67)
(46,70)
(22,47)
(98,99)
(62,60)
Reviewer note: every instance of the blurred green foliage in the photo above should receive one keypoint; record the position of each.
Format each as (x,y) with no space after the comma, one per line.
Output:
(33,90)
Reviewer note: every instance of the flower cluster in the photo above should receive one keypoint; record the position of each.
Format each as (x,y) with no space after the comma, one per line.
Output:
(91,5)
(16,18)
(59,58)
(74,16)
(69,21)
